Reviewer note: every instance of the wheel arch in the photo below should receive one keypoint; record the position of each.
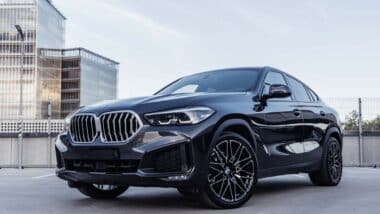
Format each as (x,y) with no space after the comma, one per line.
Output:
(238,124)
(334,132)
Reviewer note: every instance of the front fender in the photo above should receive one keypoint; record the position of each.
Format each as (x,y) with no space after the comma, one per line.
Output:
(231,125)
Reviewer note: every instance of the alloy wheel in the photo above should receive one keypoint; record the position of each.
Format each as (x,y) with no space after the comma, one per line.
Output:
(334,161)
(231,171)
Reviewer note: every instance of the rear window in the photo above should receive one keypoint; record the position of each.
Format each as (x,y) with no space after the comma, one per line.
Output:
(313,95)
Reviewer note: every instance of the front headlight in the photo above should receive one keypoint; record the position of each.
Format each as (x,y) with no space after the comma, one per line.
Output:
(60,145)
(181,116)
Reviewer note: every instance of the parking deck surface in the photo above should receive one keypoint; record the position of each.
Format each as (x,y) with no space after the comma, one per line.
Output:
(39,191)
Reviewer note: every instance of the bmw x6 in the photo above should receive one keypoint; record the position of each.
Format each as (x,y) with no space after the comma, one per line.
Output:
(212,134)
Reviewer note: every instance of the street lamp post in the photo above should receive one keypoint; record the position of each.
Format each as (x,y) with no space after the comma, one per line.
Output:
(21,119)
(49,135)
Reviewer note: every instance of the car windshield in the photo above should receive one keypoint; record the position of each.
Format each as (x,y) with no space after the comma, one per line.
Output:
(234,80)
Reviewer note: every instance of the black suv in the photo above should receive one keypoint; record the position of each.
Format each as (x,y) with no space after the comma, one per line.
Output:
(212,134)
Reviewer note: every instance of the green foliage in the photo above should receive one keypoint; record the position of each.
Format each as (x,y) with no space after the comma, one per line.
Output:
(372,125)
(351,123)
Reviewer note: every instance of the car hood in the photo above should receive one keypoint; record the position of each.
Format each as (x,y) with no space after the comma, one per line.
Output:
(161,102)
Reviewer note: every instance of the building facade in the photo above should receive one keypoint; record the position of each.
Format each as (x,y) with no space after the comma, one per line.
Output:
(43,26)
(65,78)
(86,77)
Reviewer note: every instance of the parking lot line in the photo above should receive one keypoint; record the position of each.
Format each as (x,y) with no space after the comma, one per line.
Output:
(43,176)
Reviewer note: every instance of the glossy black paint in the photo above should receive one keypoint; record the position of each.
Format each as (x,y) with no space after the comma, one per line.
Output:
(274,127)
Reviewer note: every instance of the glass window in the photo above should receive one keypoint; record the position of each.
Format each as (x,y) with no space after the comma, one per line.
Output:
(313,95)
(274,78)
(233,80)
(186,89)
(298,90)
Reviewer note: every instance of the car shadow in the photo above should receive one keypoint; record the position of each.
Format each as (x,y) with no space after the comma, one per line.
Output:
(169,198)
(165,198)
(271,186)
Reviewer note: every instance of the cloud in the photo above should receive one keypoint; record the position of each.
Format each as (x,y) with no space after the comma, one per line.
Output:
(264,22)
(154,27)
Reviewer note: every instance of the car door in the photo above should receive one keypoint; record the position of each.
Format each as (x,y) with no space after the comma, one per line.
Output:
(282,131)
(316,123)
(315,120)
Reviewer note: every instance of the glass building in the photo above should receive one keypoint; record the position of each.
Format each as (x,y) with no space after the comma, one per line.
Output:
(66,78)
(86,77)
(43,26)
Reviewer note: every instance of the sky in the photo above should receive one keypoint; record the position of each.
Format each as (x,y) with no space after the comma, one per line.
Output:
(333,46)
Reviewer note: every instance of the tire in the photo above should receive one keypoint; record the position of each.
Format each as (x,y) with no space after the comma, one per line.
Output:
(102,191)
(232,167)
(331,169)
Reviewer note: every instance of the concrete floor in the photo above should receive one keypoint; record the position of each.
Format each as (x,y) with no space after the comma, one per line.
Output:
(39,191)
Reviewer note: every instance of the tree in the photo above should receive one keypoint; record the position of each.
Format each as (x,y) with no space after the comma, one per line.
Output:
(351,122)
(372,125)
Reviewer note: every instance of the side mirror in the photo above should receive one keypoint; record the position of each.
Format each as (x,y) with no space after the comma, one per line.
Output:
(278,91)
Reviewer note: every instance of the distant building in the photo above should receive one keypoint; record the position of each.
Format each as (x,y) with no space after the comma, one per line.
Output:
(44,26)
(86,78)
(47,78)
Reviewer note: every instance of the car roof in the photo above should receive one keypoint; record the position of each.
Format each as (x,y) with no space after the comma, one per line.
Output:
(228,69)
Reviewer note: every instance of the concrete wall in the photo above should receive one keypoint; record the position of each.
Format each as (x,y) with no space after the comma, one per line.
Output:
(351,151)
(38,152)
(371,145)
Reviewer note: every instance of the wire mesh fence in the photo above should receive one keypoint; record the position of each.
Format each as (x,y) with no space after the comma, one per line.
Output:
(361,125)
(356,113)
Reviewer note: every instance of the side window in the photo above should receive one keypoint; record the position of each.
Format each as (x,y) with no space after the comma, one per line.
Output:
(274,78)
(298,90)
(313,95)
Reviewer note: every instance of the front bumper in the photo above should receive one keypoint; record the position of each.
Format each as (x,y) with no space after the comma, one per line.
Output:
(157,156)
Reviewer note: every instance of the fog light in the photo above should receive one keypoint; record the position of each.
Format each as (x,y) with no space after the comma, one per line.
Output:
(60,146)
(177,178)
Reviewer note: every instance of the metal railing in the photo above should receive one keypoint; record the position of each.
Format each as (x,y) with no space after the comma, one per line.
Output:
(31,126)
(360,118)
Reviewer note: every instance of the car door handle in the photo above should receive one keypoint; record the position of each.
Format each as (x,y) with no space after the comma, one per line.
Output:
(322,113)
(296,112)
